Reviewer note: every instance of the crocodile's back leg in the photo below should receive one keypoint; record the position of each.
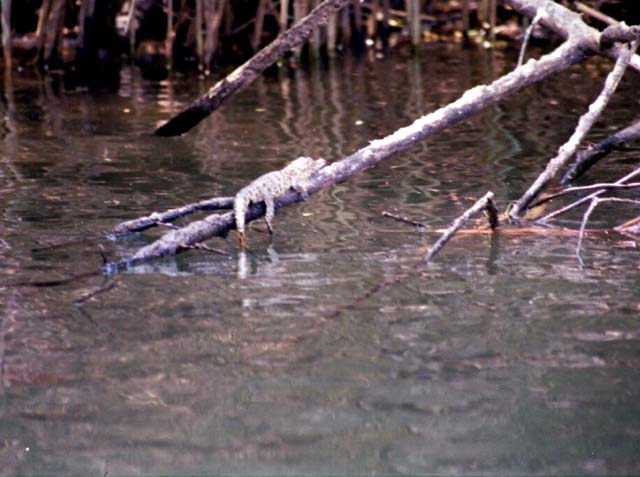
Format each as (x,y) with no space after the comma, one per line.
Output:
(268,216)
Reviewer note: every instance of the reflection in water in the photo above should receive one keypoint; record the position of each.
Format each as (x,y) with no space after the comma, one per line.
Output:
(503,356)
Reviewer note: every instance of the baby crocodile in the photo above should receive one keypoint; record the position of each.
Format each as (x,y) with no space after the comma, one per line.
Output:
(273,184)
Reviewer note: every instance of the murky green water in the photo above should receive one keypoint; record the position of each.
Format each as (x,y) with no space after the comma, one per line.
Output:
(504,356)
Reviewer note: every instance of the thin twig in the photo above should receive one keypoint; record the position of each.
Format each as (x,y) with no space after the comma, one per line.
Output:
(527,35)
(571,190)
(97,291)
(405,220)
(628,226)
(594,203)
(206,248)
(585,218)
(578,202)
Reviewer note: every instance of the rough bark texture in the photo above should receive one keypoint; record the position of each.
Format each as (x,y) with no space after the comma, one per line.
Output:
(249,71)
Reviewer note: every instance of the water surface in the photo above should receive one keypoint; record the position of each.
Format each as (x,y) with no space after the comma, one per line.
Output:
(506,355)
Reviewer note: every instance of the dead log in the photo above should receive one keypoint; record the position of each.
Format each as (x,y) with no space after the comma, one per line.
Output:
(250,70)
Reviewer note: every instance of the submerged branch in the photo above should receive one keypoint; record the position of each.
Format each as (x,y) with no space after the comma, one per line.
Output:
(484,203)
(585,218)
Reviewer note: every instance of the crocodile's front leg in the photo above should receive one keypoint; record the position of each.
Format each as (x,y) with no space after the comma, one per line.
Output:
(241,239)
(271,210)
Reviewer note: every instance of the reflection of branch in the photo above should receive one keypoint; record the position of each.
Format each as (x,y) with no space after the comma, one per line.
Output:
(584,125)
(93,293)
(484,203)
(594,203)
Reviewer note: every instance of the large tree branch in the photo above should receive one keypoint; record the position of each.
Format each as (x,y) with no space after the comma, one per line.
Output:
(567,24)
(471,102)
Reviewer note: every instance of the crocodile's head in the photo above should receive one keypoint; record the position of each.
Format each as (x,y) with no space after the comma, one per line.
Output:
(307,165)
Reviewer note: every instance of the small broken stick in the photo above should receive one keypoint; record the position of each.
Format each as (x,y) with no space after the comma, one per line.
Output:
(484,203)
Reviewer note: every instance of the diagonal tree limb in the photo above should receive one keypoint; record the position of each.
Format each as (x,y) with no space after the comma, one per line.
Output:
(471,102)
(483,203)
(250,70)
(584,126)
(588,158)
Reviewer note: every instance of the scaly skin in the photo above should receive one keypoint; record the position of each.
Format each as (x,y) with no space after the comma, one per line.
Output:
(271,185)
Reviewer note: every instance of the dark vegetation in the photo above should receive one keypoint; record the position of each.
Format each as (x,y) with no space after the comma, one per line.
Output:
(87,40)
